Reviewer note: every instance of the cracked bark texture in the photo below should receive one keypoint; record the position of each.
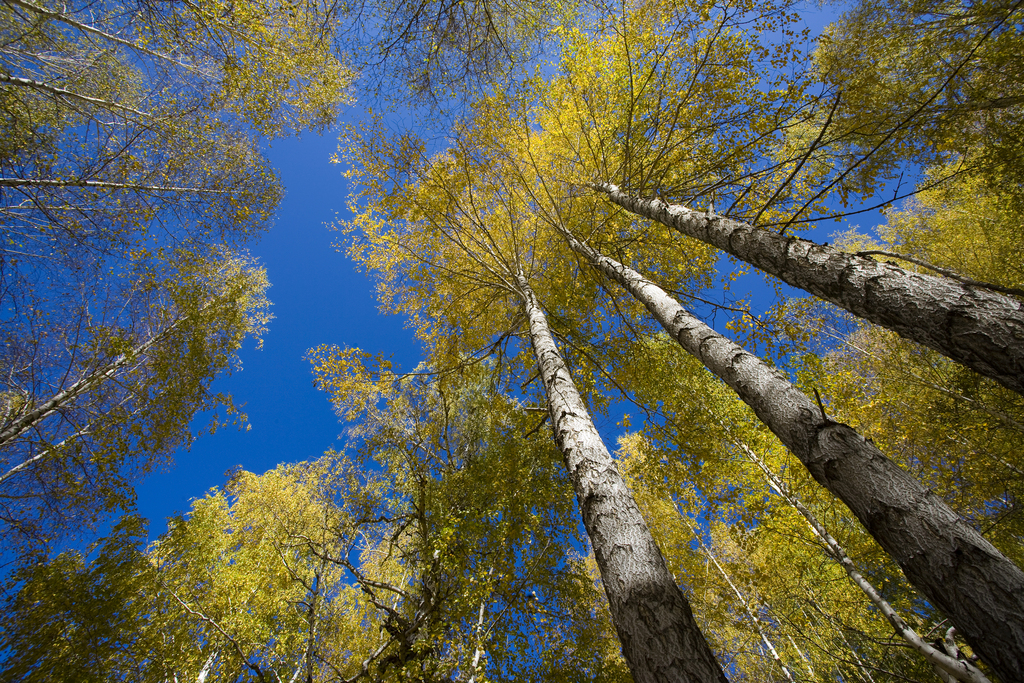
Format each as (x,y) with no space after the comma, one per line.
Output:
(660,638)
(944,557)
(978,328)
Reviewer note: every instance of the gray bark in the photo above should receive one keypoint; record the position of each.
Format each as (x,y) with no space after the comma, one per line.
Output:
(944,557)
(660,638)
(978,328)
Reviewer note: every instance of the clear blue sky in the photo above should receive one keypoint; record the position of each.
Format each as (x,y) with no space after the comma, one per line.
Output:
(318,298)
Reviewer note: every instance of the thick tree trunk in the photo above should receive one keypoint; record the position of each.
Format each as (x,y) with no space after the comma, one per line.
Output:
(980,590)
(973,326)
(660,639)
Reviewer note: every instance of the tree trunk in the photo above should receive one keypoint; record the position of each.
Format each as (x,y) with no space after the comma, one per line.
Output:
(973,326)
(951,666)
(751,614)
(660,639)
(69,94)
(945,558)
(36,182)
(17,426)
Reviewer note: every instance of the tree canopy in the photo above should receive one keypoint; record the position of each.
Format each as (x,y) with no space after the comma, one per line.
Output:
(607,466)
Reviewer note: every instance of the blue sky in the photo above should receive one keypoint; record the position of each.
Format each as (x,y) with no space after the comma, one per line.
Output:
(318,297)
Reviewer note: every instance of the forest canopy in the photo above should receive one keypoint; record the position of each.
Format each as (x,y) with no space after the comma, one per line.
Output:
(608,465)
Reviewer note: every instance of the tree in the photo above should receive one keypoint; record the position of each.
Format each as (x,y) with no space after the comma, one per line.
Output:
(499,169)
(968,323)
(942,555)
(410,561)
(660,638)
(450,245)
(933,83)
(87,411)
(131,179)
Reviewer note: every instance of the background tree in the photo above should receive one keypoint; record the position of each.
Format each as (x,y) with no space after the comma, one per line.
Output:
(440,551)
(926,84)
(87,409)
(130,180)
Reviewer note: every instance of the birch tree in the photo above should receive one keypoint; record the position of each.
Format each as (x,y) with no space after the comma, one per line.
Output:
(375,566)
(927,539)
(970,324)
(461,240)
(445,225)
(89,410)
(849,469)
(696,436)
(131,180)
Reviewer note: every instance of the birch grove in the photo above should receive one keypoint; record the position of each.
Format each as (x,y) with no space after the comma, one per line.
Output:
(597,223)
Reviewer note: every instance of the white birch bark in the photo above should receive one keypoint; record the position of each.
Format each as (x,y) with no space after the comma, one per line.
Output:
(22,423)
(35,182)
(971,325)
(69,94)
(478,652)
(807,661)
(754,619)
(204,673)
(42,455)
(950,665)
(945,558)
(479,635)
(660,638)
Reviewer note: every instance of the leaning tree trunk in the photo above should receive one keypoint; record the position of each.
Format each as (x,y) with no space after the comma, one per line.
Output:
(976,327)
(944,557)
(660,639)
(959,670)
(32,418)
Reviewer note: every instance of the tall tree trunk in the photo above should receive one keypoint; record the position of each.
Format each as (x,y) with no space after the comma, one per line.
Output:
(944,557)
(660,639)
(973,326)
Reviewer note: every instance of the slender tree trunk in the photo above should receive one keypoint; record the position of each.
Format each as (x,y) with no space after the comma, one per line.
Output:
(478,652)
(660,638)
(204,673)
(949,665)
(36,182)
(479,634)
(22,423)
(754,619)
(807,661)
(973,326)
(42,455)
(944,557)
(69,94)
